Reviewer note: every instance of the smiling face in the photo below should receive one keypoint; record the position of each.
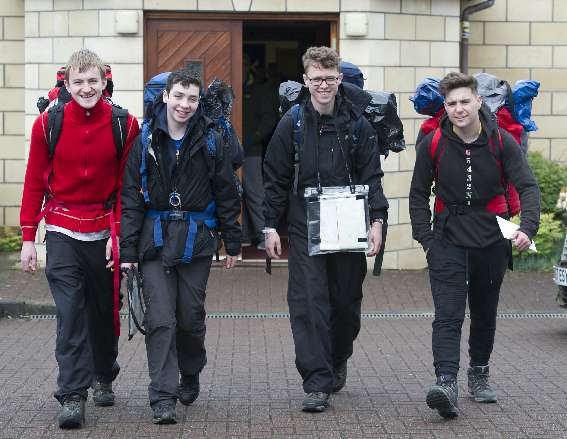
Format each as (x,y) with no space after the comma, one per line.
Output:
(323,85)
(182,103)
(85,87)
(462,106)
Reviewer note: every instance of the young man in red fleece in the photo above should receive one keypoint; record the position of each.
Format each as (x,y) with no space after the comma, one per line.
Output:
(77,185)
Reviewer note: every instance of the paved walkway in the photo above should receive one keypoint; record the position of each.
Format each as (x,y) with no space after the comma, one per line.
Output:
(250,388)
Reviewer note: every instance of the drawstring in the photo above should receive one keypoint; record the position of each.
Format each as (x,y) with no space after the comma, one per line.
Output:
(467,267)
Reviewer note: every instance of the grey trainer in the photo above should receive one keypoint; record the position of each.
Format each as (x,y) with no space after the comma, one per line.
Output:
(72,414)
(164,412)
(103,396)
(316,402)
(443,396)
(479,387)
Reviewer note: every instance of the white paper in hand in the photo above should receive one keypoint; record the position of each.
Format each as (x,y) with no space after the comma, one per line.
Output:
(508,228)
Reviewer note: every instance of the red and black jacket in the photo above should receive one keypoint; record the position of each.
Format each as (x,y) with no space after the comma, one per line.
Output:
(460,168)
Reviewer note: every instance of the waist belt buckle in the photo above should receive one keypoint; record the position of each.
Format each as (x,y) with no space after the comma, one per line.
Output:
(175,215)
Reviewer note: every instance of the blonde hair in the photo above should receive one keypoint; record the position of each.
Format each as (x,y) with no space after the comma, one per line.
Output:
(322,56)
(83,60)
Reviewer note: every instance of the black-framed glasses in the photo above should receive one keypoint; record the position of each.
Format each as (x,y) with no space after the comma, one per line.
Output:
(330,80)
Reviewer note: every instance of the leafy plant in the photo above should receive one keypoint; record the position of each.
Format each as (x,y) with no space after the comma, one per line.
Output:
(10,239)
(549,240)
(551,177)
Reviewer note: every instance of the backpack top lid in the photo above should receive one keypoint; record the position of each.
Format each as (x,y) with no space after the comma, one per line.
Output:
(427,99)
(154,87)
(352,74)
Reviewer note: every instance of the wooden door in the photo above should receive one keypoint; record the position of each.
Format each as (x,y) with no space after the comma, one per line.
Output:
(213,47)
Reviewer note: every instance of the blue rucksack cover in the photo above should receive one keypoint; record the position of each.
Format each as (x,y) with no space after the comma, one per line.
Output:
(427,99)
(523,93)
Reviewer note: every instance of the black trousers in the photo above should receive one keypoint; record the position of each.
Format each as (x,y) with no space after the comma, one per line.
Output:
(174,323)
(86,345)
(456,273)
(324,297)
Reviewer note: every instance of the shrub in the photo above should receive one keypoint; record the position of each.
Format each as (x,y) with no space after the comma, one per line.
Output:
(551,177)
(10,239)
(549,241)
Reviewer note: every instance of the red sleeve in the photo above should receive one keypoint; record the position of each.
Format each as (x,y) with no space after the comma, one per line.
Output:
(133,131)
(34,184)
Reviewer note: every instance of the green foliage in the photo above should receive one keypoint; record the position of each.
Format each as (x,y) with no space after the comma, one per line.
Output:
(10,239)
(549,241)
(551,177)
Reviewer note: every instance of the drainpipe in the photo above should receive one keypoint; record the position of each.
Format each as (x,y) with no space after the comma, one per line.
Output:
(466,31)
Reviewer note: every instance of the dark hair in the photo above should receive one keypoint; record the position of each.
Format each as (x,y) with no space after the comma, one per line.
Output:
(323,56)
(183,77)
(457,80)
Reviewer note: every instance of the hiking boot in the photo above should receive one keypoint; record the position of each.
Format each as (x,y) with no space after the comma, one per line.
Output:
(340,377)
(316,402)
(188,389)
(443,396)
(103,396)
(164,412)
(72,414)
(478,384)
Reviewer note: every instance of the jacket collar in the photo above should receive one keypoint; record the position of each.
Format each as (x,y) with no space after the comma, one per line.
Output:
(88,114)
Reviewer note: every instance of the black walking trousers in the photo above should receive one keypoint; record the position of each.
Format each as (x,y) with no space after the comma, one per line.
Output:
(175,323)
(324,297)
(455,273)
(86,346)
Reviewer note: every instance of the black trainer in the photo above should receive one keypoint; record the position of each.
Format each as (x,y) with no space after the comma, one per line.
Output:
(443,396)
(340,377)
(72,414)
(479,387)
(164,412)
(188,389)
(316,402)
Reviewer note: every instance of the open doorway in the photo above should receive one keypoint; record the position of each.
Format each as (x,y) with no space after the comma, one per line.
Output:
(272,51)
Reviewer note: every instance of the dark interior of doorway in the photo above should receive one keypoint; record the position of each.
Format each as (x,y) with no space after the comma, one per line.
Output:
(274,49)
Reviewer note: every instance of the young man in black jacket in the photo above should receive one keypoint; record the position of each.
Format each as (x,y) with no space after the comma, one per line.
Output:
(323,290)
(470,159)
(178,190)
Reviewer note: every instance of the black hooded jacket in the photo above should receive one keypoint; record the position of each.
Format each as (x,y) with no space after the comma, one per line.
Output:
(477,227)
(322,132)
(198,178)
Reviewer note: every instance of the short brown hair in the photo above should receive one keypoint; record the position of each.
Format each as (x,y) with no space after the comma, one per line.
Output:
(323,56)
(457,80)
(83,60)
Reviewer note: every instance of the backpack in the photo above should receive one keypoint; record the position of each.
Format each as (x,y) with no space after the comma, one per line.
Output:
(216,104)
(59,96)
(500,98)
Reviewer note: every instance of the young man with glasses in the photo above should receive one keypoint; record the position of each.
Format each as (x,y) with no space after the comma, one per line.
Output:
(324,291)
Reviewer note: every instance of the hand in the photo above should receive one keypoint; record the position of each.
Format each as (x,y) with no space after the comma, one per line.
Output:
(230,261)
(109,258)
(28,257)
(521,240)
(125,266)
(375,239)
(273,245)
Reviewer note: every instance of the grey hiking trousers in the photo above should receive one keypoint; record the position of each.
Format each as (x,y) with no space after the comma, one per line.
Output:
(174,322)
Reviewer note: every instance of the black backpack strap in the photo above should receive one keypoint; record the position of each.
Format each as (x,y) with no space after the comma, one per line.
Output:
(54,126)
(119,129)
(297,139)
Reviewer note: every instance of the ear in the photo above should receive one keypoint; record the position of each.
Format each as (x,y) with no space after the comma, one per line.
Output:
(164,96)
(104,83)
(305,79)
(340,78)
(66,84)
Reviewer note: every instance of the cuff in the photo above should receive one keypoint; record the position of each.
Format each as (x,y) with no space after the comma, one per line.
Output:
(28,233)
(128,255)
(232,248)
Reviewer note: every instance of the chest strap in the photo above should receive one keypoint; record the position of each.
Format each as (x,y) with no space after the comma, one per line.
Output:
(206,217)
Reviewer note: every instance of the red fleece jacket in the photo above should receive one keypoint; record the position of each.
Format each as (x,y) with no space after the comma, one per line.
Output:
(85,170)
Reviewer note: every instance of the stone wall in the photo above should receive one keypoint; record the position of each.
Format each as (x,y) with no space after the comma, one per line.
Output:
(12,150)
(527,39)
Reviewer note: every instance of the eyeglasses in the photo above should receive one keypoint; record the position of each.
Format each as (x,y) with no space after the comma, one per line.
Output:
(330,80)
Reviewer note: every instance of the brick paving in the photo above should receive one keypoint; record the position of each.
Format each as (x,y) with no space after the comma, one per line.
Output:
(251,389)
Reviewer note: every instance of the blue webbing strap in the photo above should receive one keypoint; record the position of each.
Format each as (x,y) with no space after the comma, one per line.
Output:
(143,167)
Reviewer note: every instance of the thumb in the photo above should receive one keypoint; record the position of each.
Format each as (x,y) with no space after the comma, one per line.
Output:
(108,251)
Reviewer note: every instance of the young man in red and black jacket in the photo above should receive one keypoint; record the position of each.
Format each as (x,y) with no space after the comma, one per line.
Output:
(470,160)
(77,180)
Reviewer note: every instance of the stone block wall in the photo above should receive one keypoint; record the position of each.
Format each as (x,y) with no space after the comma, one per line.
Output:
(12,155)
(526,39)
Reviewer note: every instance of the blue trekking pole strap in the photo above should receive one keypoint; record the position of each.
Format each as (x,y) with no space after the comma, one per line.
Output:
(207,217)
